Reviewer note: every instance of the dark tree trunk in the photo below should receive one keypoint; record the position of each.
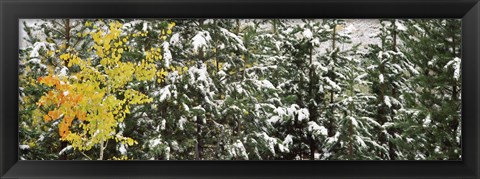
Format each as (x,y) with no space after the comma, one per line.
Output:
(331,120)
(64,144)
(391,131)
(312,108)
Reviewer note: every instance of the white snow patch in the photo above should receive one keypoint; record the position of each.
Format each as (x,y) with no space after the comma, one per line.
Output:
(386,99)
(165,93)
(288,140)
(24,147)
(63,71)
(359,77)
(167,55)
(354,121)
(266,84)
(38,45)
(387,124)
(65,149)
(273,119)
(239,41)
(270,141)
(456,67)
(201,72)
(332,84)
(121,125)
(181,122)
(122,149)
(280,111)
(380,55)
(175,39)
(316,129)
(200,40)
(174,145)
(155,142)
(243,152)
(307,34)
(145,26)
(41,137)
(162,126)
(381,78)
(303,114)
(291,110)
(413,70)
(186,107)
(315,42)
(350,29)
(427,121)
(283,148)
(361,142)
(167,153)
(400,26)
(34,61)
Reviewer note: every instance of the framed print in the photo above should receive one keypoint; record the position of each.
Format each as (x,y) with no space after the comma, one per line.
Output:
(245,94)
(239,89)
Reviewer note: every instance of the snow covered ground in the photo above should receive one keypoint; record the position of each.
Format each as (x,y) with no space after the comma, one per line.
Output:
(362,29)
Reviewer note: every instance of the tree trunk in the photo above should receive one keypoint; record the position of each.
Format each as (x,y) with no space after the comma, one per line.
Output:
(237,30)
(381,112)
(64,144)
(350,127)
(350,142)
(67,37)
(199,146)
(391,131)
(274,26)
(312,109)
(102,148)
(331,120)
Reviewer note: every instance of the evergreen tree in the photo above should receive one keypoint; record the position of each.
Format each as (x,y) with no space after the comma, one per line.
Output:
(386,71)
(347,112)
(239,89)
(46,40)
(434,103)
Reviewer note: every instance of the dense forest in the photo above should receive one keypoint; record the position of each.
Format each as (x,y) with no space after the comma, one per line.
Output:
(239,89)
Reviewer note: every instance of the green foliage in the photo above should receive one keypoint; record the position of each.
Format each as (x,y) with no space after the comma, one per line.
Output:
(231,89)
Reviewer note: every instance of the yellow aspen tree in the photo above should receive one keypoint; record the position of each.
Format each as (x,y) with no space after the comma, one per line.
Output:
(90,104)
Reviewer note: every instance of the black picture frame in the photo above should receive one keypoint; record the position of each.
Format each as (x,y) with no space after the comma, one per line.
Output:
(13,10)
